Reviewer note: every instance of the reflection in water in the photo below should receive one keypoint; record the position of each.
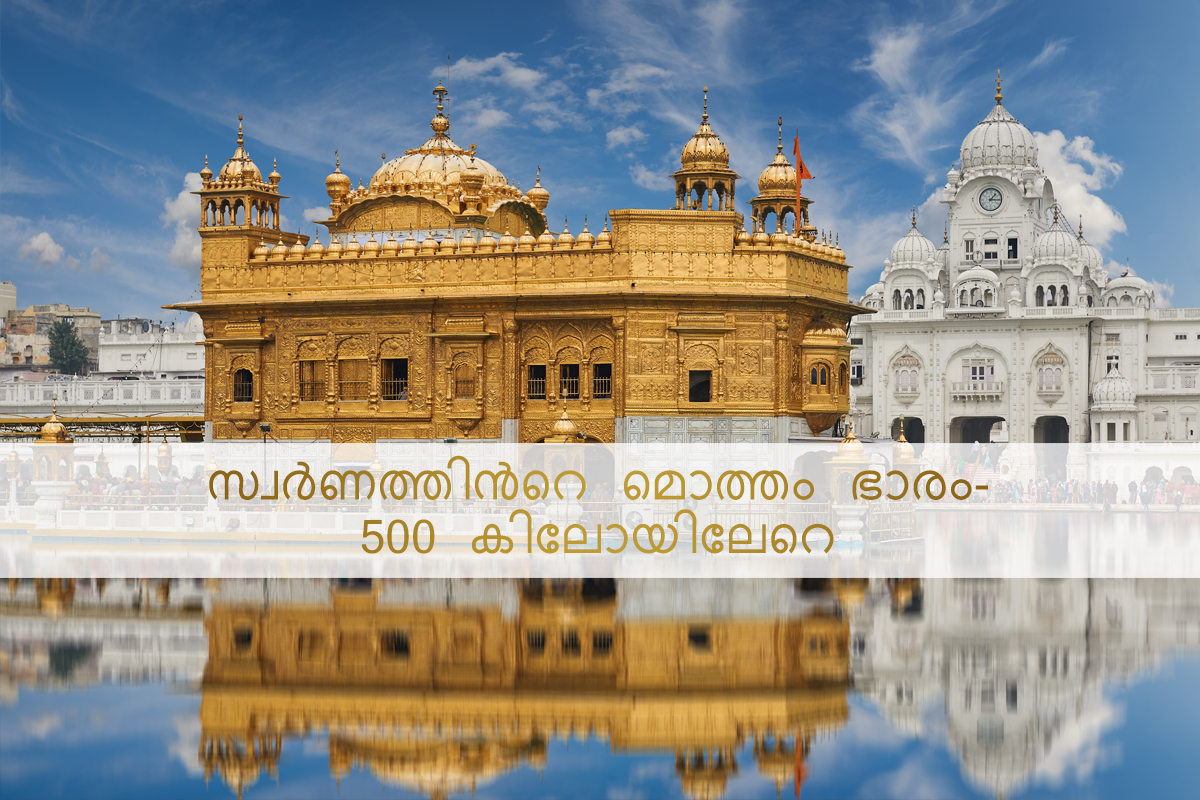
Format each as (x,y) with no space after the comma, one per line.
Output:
(439,687)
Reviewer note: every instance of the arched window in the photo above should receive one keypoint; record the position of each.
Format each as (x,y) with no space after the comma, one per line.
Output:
(1112,301)
(1050,293)
(920,298)
(824,377)
(908,299)
(1039,297)
(895,301)
(962,299)
(464,382)
(243,386)
(987,297)
(842,380)
(813,376)
(1063,296)
(1089,301)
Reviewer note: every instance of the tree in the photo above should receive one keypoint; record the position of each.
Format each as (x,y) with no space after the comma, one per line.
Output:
(68,353)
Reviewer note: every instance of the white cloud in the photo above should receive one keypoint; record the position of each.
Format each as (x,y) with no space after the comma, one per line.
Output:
(43,249)
(99,260)
(14,180)
(1053,49)
(625,135)
(184,211)
(186,747)
(1076,172)
(491,118)
(1163,292)
(9,104)
(648,178)
(41,726)
(501,68)
(315,213)
(1078,749)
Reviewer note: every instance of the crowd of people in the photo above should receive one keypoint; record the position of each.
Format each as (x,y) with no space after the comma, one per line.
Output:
(1150,492)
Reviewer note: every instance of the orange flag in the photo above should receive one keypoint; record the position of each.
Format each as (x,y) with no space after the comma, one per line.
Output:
(801,174)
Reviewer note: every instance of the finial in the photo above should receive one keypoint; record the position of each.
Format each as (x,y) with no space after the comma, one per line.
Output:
(440,93)
(239,130)
(946,233)
(999,95)
(206,160)
(837,239)
(902,439)
(337,162)
(565,225)
(585,222)
(780,133)
(1081,226)
(1054,208)
(317,235)
(913,216)
(705,117)
(383,157)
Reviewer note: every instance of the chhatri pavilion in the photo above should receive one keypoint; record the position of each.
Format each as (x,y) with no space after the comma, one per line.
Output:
(442,305)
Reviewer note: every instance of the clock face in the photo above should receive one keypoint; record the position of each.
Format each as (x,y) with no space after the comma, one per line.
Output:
(990,199)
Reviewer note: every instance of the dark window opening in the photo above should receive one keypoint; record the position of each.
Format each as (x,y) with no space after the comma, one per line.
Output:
(464,382)
(243,386)
(699,638)
(824,377)
(568,383)
(812,377)
(536,388)
(242,639)
(700,386)
(602,381)
(394,644)
(312,380)
(395,379)
(1011,696)
(537,642)
(602,643)
(570,643)
(1012,248)
(353,379)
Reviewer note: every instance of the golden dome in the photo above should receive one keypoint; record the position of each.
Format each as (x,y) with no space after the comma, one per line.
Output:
(335,248)
(206,173)
(372,247)
(447,245)
(439,166)
(488,243)
(604,237)
(586,239)
(742,236)
(565,239)
(822,329)
(391,246)
(280,250)
(467,244)
(850,447)
(507,243)
(902,450)
(705,150)
(429,244)
(298,249)
(337,185)
(527,242)
(262,251)
(54,432)
(410,245)
(538,195)
(353,247)
(780,176)
(274,177)
(316,248)
(546,240)
(564,426)
(239,168)
(761,238)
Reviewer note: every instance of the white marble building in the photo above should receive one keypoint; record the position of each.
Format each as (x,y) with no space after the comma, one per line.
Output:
(1013,324)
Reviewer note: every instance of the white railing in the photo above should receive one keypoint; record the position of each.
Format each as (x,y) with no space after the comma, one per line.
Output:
(98,397)
(981,390)
(1161,380)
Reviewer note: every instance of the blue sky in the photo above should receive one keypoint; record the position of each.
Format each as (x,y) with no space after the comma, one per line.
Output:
(107,108)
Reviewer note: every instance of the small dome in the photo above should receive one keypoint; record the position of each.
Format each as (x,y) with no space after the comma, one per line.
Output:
(912,249)
(527,242)
(280,250)
(875,289)
(1114,392)
(780,176)
(488,243)
(316,248)
(850,447)
(239,167)
(409,247)
(742,237)
(565,239)
(705,150)
(761,239)
(372,247)
(54,432)
(335,248)
(978,274)
(274,177)
(939,296)
(538,195)
(825,332)
(1129,281)
(564,427)
(298,250)
(194,324)
(507,243)
(206,173)
(353,247)
(953,176)
(1056,245)
(586,239)
(337,185)
(429,244)
(546,240)
(262,251)
(467,243)
(604,237)
(998,141)
(391,246)
(447,245)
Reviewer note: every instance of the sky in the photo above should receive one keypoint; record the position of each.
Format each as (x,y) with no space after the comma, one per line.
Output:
(107,111)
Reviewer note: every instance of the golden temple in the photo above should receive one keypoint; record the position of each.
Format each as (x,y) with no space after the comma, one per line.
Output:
(442,305)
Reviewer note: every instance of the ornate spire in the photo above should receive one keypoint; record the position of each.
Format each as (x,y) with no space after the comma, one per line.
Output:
(705,115)
(240,141)
(913,216)
(946,233)
(779,147)
(999,94)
